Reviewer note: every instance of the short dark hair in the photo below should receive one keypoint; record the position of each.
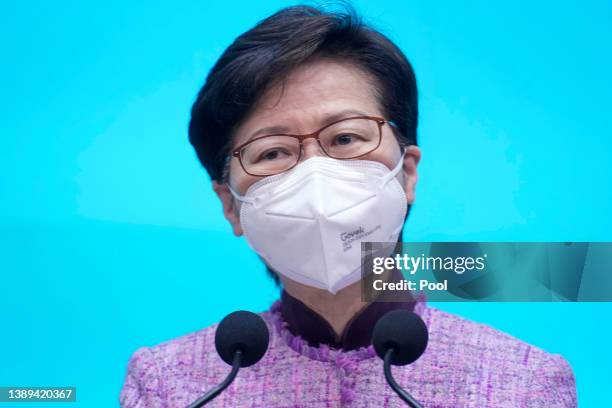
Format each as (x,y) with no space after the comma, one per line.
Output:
(268,52)
(263,57)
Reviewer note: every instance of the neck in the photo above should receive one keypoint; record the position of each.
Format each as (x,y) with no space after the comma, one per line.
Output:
(336,309)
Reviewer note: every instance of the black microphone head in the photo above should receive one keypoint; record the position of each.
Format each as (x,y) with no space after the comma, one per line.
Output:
(405,332)
(245,331)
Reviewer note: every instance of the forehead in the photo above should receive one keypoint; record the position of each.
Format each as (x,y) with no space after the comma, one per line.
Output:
(309,95)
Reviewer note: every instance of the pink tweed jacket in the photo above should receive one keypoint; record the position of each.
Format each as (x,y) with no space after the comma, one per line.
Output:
(465,365)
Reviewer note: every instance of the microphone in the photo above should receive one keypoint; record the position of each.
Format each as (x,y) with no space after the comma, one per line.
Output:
(241,340)
(399,338)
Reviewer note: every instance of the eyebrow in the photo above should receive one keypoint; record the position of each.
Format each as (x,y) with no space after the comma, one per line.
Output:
(326,119)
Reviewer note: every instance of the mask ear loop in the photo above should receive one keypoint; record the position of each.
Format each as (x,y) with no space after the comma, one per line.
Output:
(390,176)
(387,177)
(239,197)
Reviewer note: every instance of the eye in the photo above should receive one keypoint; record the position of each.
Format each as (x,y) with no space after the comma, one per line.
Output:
(344,139)
(273,154)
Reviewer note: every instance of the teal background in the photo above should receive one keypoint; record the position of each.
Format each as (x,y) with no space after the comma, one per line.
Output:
(111,237)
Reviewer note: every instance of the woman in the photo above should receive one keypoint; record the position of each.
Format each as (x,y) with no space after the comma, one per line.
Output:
(307,126)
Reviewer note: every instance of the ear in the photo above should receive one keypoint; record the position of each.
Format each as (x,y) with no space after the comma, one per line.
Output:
(411,161)
(230,209)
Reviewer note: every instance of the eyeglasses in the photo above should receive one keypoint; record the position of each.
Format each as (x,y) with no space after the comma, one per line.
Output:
(347,138)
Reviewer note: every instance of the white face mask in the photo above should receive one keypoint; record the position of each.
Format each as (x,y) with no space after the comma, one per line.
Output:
(307,223)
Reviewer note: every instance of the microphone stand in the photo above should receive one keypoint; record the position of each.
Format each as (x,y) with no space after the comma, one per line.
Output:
(396,387)
(228,380)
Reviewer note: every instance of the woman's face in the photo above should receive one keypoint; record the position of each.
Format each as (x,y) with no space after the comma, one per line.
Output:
(312,94)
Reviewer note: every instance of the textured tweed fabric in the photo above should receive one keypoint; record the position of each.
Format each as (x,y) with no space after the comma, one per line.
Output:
(465,365)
